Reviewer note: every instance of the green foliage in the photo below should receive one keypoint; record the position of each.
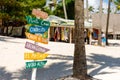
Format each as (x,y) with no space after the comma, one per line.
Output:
(117,3)
(69,8)
(91,9)
(59,11)
(47,9)
(18,9)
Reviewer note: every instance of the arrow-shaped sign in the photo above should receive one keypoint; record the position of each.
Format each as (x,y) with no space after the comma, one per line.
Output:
(35,21)
(35,47)
(38,29)
(35,56)
(35,64)
(37,38)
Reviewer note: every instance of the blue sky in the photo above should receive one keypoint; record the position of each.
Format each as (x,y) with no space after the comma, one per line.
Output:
(96,3)
(105,1)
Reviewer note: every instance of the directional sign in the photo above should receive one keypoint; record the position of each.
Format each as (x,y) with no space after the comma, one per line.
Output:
(40,14)
(38,29)
(37,38)
(35,21)
(35,56)
(35,47)
(35,64)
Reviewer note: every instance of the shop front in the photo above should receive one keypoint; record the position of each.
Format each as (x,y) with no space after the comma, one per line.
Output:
(62,30)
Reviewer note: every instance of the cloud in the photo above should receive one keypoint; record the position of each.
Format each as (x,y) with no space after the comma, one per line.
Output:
(105,6)
(96,4)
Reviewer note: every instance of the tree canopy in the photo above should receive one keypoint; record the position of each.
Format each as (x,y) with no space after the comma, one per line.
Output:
(17,9)
(69,8)
(117,3)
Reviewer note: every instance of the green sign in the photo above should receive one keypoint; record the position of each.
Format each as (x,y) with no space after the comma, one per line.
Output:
(35,64)
(35,21)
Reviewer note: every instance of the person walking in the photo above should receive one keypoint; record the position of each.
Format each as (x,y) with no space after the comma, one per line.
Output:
(103,39)
(87,36)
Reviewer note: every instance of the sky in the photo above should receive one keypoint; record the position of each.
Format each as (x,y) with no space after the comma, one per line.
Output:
(96,3)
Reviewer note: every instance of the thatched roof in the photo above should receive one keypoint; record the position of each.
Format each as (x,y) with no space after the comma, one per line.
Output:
(114,22)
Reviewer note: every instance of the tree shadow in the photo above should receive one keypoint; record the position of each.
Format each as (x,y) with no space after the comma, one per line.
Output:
(5,75)
(114,44)
(62,67)
(7,39)
(104,62)
(60,57)
(49,71)
(3,38)
(23,74)
(54,71)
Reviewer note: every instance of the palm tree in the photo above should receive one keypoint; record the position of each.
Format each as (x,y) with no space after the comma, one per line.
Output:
(117,3)
(79,64)
(91,9)
(100,26)
(87,10)
(108,22)
(64,8)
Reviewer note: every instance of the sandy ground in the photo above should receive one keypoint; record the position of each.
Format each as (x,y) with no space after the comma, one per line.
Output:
(103,62)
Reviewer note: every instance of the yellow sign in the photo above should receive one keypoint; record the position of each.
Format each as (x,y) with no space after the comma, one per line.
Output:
(36,38)
(35,56)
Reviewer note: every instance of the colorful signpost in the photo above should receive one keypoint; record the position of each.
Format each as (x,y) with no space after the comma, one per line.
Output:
(36,30)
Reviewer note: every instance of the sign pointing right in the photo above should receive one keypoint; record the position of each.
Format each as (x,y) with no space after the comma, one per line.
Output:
(35,47)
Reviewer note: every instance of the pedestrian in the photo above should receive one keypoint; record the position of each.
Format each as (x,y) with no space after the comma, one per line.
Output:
(103,39)
(87,36)
(57,35)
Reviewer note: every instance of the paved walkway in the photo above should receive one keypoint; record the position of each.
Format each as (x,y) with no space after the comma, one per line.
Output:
(103,62)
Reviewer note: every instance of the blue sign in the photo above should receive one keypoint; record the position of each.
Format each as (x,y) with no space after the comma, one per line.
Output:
(38,29)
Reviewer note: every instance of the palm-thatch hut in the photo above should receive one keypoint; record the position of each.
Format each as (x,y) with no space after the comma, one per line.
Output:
(114,24)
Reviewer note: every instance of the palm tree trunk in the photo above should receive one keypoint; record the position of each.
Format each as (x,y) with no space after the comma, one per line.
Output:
(79,64)
(87,9)
(100,23)
(64,8)
(108,15)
